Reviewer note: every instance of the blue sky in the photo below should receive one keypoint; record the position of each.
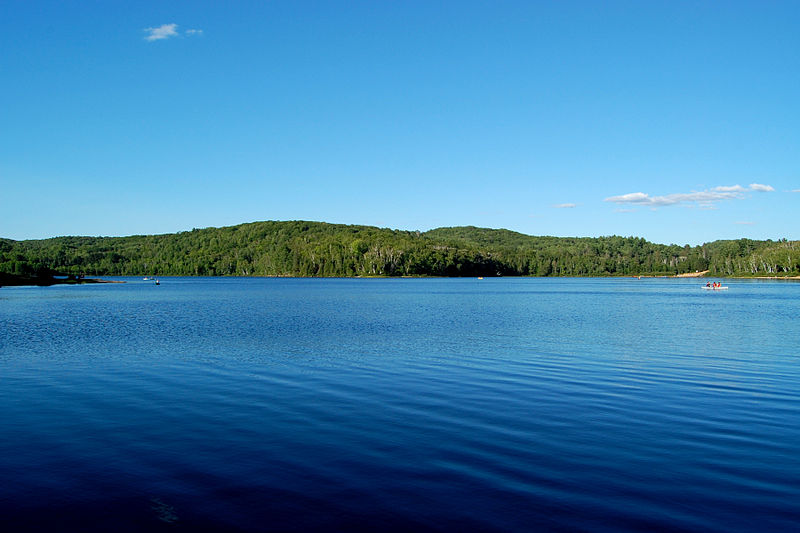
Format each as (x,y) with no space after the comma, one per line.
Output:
(674,121)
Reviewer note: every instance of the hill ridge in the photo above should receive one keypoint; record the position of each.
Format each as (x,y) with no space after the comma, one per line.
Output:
(313,248)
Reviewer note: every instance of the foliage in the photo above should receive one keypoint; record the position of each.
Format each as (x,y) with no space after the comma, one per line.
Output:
(299,248)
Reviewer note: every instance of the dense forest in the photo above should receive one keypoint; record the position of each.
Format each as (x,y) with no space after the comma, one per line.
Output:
(300,248)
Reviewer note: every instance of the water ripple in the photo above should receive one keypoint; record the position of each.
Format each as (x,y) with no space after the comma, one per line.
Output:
(441,405)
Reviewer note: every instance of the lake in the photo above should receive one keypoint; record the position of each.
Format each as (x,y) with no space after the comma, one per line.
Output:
(507,404)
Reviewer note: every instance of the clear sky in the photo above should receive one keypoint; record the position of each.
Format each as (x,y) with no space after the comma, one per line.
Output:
(674,121)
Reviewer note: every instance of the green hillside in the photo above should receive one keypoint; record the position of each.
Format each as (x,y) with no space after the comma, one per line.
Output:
(299,248)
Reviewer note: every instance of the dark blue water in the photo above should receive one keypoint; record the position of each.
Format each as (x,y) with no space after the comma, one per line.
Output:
(400,405)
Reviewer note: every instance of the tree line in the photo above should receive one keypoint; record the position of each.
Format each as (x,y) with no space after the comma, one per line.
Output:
(298,248)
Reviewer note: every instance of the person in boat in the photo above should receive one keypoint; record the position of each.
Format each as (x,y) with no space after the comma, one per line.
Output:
(708,283)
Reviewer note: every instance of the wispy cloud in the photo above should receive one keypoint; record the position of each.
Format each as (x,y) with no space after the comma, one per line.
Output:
(745,223)
(795,190)
(565,206)
(729,188)
(700,198)
(165,31)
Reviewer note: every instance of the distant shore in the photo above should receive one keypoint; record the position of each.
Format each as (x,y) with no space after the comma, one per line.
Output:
(765,277)
(705,272)
(697,274)
(10,280)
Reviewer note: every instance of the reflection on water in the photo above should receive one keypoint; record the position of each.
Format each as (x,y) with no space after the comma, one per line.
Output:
(432,404)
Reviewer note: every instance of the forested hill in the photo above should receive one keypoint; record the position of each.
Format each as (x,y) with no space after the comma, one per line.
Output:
(300,248)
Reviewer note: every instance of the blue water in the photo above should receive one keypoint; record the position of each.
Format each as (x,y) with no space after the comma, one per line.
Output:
(400,405)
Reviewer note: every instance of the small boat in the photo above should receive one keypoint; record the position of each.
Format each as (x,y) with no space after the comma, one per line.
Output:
(712,288)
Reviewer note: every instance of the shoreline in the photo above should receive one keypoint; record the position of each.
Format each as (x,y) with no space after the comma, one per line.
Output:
(765,277)
(7,280)
(24,281)
(697,274)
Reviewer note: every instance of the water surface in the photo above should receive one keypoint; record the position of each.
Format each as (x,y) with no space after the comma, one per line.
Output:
(400,404)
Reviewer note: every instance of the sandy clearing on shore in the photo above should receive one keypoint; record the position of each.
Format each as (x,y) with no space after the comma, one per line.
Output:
(692,274)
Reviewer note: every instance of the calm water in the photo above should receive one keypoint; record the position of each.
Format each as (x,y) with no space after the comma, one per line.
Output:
(400,405)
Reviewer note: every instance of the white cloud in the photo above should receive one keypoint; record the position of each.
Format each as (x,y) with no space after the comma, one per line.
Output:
(745,223)
(700,198)
(565,206)
(795,190)
(165,31)
(194,32)
(630,198)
